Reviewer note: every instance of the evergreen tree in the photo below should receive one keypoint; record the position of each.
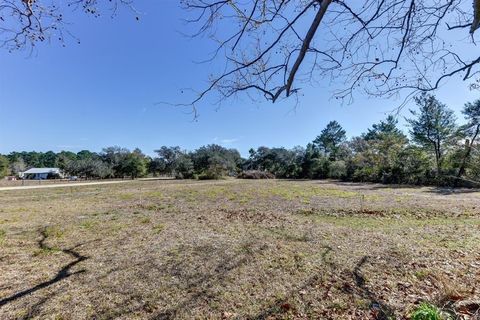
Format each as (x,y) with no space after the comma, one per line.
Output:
(433,127)
(3,166)
(471,129)
(330,139)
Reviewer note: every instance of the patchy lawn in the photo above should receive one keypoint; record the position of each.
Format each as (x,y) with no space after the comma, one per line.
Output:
(238,250)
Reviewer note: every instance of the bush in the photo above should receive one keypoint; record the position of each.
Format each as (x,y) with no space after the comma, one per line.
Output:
(426,311)
(320,168)
(255,174)
(184,167)
(337,170)
(3,166)
(209,175)
(365,174)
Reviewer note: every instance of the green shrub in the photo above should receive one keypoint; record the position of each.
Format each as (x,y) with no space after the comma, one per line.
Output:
(320,168)
(209,175)
(365,174)
(337,170)
(426,311)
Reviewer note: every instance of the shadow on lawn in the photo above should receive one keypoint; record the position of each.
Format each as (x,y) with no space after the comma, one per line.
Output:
(201,286)
(63,273)
(282,305)
(428,188)
(451,191)
(373,186)
(379,310)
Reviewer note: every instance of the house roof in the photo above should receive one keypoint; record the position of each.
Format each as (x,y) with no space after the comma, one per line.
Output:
(42,170)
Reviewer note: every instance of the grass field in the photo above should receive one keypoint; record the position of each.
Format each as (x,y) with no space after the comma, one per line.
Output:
(237,250)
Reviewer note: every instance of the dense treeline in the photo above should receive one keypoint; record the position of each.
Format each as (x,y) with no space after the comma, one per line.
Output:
(437,151)
(208,162)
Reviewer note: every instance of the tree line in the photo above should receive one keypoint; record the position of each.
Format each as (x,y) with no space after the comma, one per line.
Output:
(436,151)
(207,162)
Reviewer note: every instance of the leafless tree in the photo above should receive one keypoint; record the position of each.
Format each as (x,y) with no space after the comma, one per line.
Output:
(24,23)
(379,47)
(272,47)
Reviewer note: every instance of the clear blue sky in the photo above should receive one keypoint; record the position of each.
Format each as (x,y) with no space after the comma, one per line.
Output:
(103,91)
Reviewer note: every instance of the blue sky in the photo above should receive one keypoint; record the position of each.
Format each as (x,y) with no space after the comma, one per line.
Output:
(103,92)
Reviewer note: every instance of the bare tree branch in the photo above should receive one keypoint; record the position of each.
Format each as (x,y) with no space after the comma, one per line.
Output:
(377,47)
(24,23)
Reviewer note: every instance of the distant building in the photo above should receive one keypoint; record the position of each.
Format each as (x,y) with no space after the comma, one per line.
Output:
(41,173)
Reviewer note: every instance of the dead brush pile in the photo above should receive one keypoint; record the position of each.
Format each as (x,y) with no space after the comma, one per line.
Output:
(255,174)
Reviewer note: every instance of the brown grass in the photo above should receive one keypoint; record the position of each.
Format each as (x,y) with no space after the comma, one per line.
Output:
(235,249)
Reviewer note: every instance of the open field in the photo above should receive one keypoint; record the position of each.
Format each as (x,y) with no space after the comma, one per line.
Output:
(237,250)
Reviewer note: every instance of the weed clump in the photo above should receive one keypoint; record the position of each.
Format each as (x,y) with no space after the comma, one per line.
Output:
(306,212)
(2,235)
(53,232)
(145,220)
(427,311)
(88,225)
(159,228)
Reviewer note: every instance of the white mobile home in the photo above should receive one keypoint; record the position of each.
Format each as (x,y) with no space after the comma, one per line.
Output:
(42,173)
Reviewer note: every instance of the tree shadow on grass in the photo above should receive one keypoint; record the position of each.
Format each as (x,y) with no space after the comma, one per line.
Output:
(447,191)
(373,186)
(62,274)
(35,309)
(281,305)
(201,287)
(381,310)
(198,285)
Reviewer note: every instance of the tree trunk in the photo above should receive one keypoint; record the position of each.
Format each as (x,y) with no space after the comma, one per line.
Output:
(461,170)
(437,157)
(476,16)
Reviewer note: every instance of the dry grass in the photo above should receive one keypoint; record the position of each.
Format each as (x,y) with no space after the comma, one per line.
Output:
(17,183)
(236,249)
